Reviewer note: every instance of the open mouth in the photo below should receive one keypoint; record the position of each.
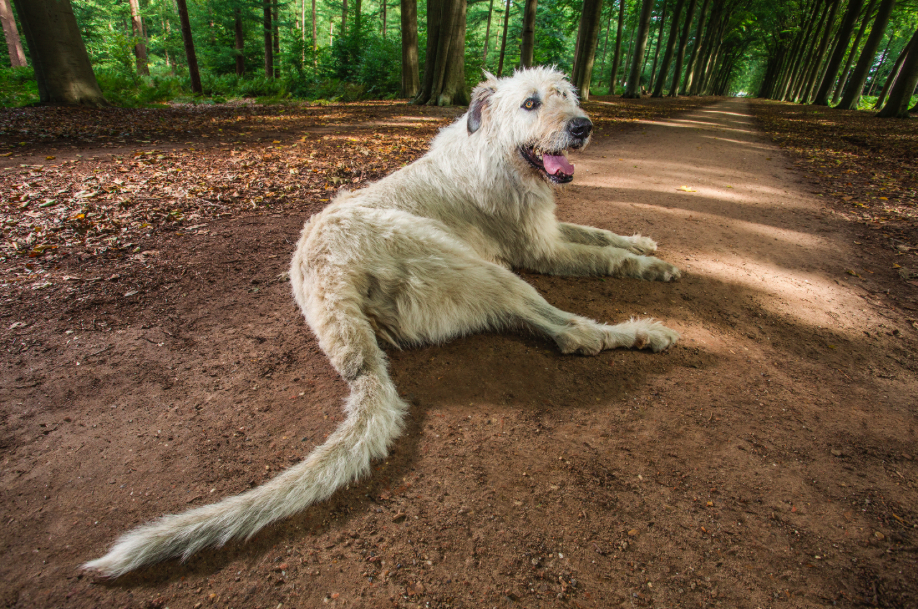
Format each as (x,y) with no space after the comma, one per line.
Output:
(553,165)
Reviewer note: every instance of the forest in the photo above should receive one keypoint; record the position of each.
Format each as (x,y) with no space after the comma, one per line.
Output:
(847,53)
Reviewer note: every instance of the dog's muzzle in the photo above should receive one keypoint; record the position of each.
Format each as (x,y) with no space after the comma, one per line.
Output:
(553,164)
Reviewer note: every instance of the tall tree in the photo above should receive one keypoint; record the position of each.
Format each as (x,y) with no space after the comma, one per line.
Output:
(275,38)
(818,55)
(444,65)
(13,43)
(894,74)
(59,57)
(239,41)
(484,54)
(680,54)
(853,52)
(901,94)
(140,47)
(410,68)
(269,44)
(838,52)
(613,77)
(503,42)
(656,55)
(696,48)
(883,56)
(856,83)
(526,48)
(588,35)
(670,47)
(188,41)
(633,88)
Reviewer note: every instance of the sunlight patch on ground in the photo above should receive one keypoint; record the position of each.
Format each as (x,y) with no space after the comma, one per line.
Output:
(685,123)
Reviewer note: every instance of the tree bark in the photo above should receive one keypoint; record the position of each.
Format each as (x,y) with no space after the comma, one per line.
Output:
(696,49)
(613,77)
(58,55)
(503,42)
(343,17)
(190,56)
(819,57)
(239,43)
(269,45)
(811,57)
(633,90)
(894,74)
(901,94)
(876,74)
(13,43)
(838,53)
(846,72)
(680,55)
(856,84)
(670,48)
(526,48)
(656,55)
(444,66)
(796,65)
(703,60)
(586,51)
(275,39)
(384,11)
(357,14)
(484,54)
(140,48)
(410,66)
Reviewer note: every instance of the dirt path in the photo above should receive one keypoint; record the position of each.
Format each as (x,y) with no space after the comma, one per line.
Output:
(769,460)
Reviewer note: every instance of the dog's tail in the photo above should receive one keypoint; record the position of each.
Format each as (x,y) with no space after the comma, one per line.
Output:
(374,418)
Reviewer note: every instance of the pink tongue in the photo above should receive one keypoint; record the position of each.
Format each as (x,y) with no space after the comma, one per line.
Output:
(557,164)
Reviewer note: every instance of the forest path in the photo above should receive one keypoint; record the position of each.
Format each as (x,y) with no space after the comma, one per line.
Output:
(767,460)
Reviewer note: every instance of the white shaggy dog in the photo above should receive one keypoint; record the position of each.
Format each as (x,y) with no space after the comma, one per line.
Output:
(420,257)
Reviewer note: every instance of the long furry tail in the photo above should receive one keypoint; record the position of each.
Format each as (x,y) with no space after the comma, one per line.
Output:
(374,419)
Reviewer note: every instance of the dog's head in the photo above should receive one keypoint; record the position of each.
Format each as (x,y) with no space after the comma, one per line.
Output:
(534,116)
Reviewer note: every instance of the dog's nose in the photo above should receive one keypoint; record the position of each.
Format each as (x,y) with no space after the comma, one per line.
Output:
(580,127)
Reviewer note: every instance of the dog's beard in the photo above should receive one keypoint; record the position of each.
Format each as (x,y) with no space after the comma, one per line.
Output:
(553,165)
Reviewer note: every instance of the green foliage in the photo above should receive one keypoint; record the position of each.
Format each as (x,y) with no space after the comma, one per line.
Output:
(17,87)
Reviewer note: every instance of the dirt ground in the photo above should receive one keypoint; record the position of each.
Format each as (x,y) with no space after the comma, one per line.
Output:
(767,460)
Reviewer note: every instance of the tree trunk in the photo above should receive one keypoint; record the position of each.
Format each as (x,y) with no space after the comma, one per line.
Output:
(444,66)
(503,42)
(343,17)
(140,49)
(58,55)
(656,54)
(484,54)
(13,43)
(838,53)
(315,41)
(410,67)
(633,90)
(894,74)
(384,11)
(819,57)
(188,41)
(605,42)
(706,52)
(846,72)
(275,56)
(670,47)
(809,56)
(269,45)
(696,49)
(526,48)
(240,44)
(876,74)
(586,51)
(613,78)
(856,84)
(680,54)
(796,66)
(357,14)
(901,94)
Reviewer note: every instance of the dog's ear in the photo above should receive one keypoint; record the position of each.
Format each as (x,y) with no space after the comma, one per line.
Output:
(481,97)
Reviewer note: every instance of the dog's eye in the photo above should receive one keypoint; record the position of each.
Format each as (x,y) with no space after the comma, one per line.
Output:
(531,104)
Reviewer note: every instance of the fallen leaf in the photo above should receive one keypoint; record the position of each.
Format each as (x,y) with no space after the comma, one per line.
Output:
(686,189)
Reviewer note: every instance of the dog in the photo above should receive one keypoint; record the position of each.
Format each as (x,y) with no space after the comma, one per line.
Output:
(421,257)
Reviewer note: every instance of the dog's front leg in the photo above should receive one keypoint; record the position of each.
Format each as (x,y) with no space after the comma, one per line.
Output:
(573,259)
(588,235)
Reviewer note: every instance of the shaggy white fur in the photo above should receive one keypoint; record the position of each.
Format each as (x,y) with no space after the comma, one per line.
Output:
(420,257)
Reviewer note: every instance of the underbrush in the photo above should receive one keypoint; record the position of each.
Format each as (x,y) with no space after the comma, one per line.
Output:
(18,87)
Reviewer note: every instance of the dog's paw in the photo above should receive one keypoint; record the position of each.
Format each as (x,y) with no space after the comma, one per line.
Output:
(650,334)
(641,245)
(581,336)
(655,269)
